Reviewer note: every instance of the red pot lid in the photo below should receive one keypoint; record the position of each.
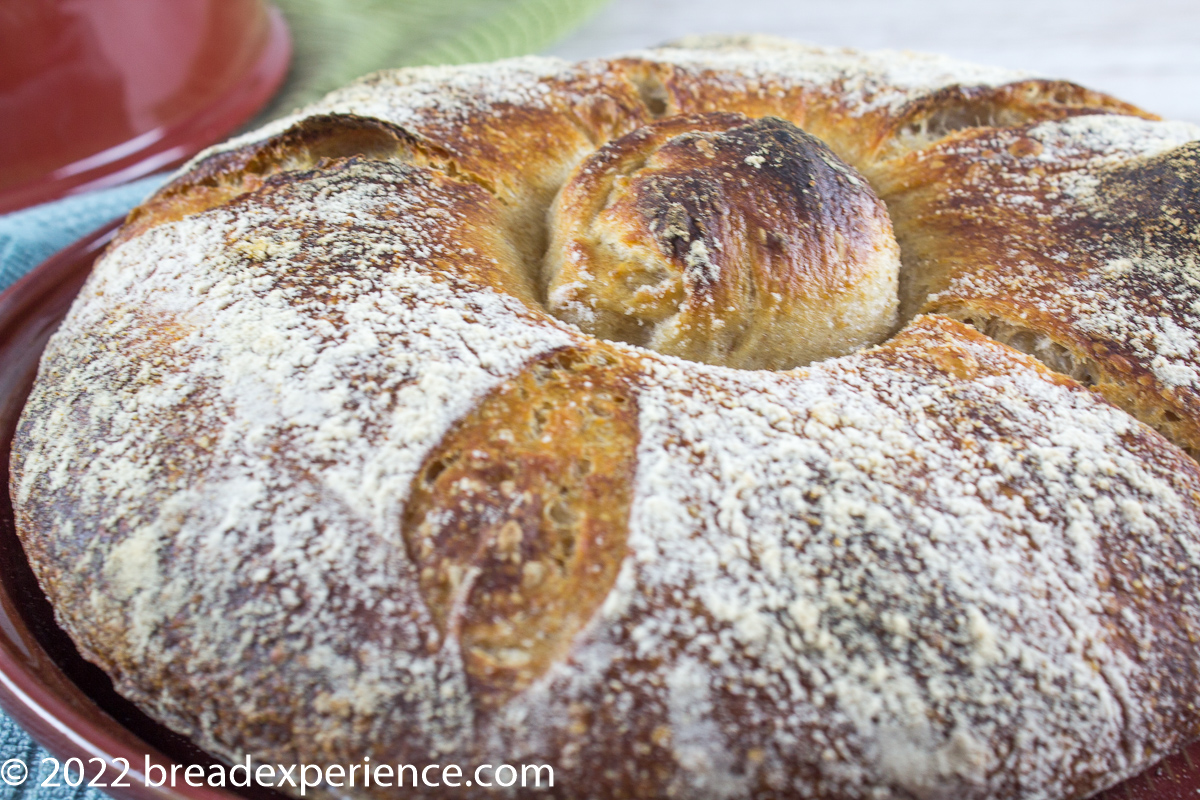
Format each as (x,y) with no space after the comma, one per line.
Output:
(97,92)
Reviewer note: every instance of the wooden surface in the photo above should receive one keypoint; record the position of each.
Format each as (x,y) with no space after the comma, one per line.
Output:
(1144,51)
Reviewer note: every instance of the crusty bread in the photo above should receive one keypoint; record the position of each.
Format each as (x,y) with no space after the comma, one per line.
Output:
(725,240)
(357,443)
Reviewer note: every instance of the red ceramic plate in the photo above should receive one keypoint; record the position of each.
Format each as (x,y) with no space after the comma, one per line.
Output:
(100,92)
(69,705)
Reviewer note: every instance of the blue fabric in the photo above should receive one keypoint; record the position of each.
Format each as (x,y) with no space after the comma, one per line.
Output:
(30,236)
(27,238)
(16,744)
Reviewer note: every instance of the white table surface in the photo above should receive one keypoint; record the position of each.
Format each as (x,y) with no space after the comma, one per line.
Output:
(1145,52)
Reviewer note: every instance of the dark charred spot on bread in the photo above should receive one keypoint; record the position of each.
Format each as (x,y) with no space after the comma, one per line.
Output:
(723,239)
(518,543)
(766,170)
(1155,203)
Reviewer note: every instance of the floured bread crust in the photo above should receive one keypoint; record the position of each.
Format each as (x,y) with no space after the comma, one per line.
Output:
(315,474)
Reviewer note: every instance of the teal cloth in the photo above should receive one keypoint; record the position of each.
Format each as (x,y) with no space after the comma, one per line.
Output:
(16,743)
(30,236)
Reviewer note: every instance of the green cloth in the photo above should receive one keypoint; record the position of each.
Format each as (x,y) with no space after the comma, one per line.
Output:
(334,42)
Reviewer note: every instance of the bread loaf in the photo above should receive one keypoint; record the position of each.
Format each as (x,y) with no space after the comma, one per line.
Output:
(736,419)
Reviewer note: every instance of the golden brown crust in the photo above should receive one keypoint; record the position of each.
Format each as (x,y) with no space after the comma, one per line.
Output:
(1028,238)
(514,590)
(311,143)
(962,108)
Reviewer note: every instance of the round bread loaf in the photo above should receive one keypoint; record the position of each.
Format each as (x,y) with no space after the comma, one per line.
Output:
(736,419)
